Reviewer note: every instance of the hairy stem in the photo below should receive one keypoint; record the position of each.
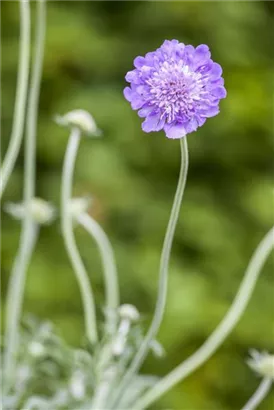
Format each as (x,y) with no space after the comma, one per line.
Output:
(33,105)
(108,260)
(221,332)
(29,230)
(259,394)
(163,275)
(20,97)
(15,299)
(67,231)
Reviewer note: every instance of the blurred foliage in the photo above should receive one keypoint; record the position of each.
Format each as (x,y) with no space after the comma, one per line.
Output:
(52,375)
(228,204)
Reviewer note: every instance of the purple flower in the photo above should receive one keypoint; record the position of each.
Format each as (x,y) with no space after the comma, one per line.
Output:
(175,88)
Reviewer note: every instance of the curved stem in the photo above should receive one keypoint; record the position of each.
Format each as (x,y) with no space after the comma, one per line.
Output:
(20,97)
(221,332)
(29,230)
(109,265)
(259,394)
(163,275)
(67,231)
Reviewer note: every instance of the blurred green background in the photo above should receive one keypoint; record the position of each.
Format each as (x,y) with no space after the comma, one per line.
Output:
(228,204)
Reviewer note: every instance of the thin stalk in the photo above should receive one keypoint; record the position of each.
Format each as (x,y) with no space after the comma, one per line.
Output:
(67,231)
(15,300)
(259,394)
(221,332)
(163,276)
(32,113)
(28,235)
(20,97)
(108,260)
(103,389)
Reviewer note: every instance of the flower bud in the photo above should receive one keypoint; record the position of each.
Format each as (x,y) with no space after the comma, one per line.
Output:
(129,312)
(42,212)
(262,363)
(80,119)
(79,205)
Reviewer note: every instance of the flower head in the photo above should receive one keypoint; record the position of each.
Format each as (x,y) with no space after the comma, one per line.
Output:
(175,88)
(262,363)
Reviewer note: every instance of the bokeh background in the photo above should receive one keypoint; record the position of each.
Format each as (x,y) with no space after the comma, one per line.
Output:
(228,203)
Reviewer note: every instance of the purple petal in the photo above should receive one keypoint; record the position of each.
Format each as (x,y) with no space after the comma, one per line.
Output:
(153,123)
(189,49)
(141,89)
(150,57)
(179,52)
(128,94)
(191,126)
(205,68)
(200,120)
(132,76)
(219,92)
(145,111)
(139,62)
(210,112)
(201,55)
(188,55)
(137,102)
(168,45)
(175,130)
(216,70)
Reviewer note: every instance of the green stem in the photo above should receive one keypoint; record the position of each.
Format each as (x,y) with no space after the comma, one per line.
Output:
(108,260)
(221,332)
(29,230)
(32,112)
(15,300)
(163,276)
(67,230)
(259,394)
(20,98)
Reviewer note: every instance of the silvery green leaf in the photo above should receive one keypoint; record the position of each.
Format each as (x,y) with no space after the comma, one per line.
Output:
(137,387)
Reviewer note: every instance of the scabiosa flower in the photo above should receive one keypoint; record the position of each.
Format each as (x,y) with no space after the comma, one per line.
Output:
(175,88)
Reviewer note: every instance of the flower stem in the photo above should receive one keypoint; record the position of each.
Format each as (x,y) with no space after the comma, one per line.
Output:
(20,98)
(103,389)
(259,394)
(67,230)
(15,299)
(108,260)
(32,111)
(163,275)
(221,332)
(29,230)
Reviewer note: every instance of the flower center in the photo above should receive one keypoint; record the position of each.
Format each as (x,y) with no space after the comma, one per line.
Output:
(172,88)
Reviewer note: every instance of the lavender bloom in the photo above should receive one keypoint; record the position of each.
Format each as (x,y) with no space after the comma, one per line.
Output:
(175,88)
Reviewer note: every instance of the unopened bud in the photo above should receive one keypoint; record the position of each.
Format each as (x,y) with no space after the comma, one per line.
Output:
(79,205)
(262,363)
(129,312)
(42,212)
(80,119)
